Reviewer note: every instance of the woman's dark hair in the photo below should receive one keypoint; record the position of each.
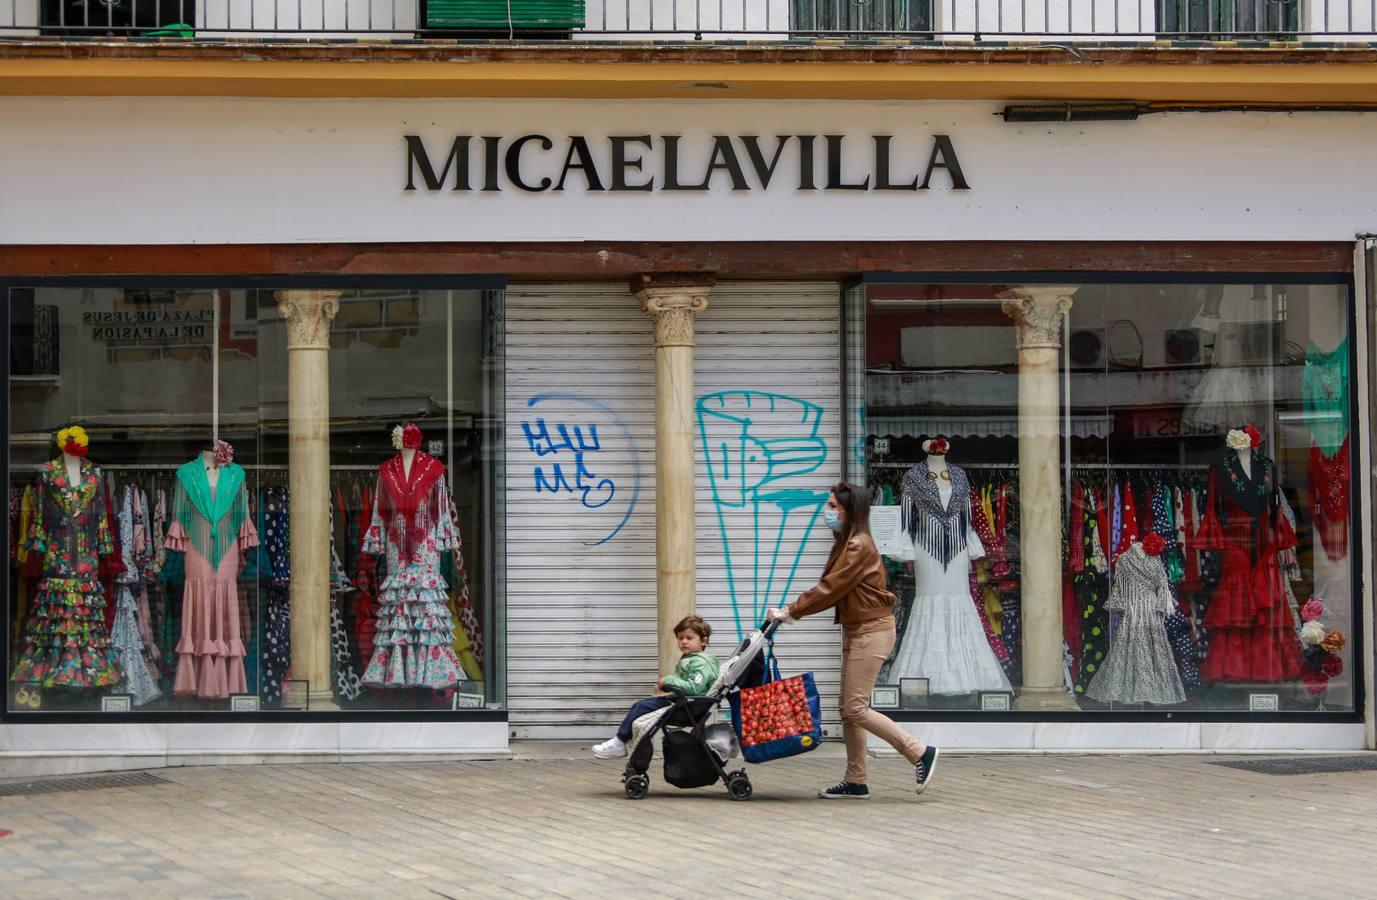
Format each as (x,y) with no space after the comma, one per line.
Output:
(855,503)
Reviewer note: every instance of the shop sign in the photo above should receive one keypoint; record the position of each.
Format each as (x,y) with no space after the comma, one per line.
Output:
(150,326)
(646,163)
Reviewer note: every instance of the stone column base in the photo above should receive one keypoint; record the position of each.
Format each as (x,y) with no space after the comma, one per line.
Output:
(1045,698)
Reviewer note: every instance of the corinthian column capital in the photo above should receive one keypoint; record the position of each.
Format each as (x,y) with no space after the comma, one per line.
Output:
(672,303)
(308,315)
(1037,311)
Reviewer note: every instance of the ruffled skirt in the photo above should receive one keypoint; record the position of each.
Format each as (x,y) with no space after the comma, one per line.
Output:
(128,643)
(210,654)
(65,643)
(1252,636)
(945,643)
(413,646)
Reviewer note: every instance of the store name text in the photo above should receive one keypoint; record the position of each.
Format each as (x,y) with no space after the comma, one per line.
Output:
(659,163)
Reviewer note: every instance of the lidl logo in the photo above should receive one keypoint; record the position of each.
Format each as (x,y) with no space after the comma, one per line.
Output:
(807,740)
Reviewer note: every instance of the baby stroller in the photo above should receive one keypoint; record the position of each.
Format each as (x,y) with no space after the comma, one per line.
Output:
(696,753)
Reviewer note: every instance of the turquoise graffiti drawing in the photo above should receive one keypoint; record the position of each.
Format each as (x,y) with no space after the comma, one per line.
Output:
(755,443)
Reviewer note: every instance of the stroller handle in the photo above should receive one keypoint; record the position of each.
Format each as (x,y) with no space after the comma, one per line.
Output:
(769,627)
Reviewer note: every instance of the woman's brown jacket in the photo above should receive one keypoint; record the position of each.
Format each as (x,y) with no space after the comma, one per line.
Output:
(853,583)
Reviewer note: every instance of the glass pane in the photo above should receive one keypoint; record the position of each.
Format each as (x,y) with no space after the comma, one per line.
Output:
(1203,487)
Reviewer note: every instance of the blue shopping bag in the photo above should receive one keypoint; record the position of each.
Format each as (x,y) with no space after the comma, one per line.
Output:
(780,718)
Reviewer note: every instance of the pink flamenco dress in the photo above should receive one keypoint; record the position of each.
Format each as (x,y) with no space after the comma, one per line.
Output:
(212,527)
(65,644)
(412,526)
(1252,635)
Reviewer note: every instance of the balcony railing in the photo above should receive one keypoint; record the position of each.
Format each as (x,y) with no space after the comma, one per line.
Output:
(1038,21)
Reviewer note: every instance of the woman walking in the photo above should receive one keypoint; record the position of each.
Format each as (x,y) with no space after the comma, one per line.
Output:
(853,584)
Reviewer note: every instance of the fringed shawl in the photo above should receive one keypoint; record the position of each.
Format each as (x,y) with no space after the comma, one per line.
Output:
(405,502)
(211,520)
(940,530)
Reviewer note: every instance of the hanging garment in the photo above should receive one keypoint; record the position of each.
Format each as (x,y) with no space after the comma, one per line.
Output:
(276,643)
(1328,482)
(212,529)
(1236,388)
(1090,586)
(1324,387)
(944,641)
(1140,666)
(978,596)
(65,642)
(1251,639)
(24,560)
(411,524)
(126,636)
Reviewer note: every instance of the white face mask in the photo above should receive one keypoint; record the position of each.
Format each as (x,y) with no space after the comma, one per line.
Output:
(832,519)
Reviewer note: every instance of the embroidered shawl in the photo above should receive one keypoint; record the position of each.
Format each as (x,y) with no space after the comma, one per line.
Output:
(211,519)
(401,502)
(939,529)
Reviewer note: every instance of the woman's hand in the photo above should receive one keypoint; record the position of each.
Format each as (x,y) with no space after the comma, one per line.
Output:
(778,615)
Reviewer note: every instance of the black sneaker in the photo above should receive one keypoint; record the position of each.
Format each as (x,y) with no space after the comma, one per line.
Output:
(845,790)
(924,767)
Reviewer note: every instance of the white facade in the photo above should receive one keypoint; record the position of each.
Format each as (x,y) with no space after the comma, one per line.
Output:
(278,171)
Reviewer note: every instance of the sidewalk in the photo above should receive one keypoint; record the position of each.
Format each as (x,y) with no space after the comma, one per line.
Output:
(547,824)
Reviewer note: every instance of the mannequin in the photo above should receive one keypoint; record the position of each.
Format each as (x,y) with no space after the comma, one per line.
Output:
(412,526)
(65,642)
(212,527)
(1253,638)
(944,640)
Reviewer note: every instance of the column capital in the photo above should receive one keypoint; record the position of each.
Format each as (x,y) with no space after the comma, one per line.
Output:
(672,303)
(308,315)
(1037,311)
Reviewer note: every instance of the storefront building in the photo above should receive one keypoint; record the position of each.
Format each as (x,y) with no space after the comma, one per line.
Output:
(639,339)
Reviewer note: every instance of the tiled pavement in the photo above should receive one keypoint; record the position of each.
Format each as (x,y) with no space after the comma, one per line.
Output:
(1099,826)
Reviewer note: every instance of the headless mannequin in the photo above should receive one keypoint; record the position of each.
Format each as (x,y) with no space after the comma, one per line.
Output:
(1245,459)
(73,466)
(938,465)
(212,470)
(408,456)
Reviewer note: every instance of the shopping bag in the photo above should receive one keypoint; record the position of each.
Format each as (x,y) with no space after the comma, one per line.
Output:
(781,718)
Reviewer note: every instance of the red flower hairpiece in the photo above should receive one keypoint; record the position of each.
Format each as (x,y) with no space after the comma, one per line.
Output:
(1254,436)
(1153,544)
(411,437)
(938,446)
(224,453)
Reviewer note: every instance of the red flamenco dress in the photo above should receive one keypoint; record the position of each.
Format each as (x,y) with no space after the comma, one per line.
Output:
(1252,636)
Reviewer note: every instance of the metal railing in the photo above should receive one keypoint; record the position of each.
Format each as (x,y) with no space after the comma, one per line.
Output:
(1036,21)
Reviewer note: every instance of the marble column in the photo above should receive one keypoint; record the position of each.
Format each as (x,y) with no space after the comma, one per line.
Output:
(1037,312)
(308,315)
(673,302)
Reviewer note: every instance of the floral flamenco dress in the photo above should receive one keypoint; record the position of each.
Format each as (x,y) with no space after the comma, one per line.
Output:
(414,644)
(213,529)
(65,643)
(1252,637)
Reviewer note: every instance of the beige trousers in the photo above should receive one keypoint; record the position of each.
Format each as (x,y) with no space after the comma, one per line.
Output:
(862,656)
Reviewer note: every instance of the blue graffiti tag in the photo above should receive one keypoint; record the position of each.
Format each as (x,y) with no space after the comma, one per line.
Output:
(576,442)
(753,441)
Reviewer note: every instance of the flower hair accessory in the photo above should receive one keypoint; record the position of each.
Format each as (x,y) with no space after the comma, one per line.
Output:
(411,437)
(1238,439)
(397,437)
(1313,609)
(1153,544)
(1312,634)
(224,453)
(73,441)
(937,446)
(1254,436)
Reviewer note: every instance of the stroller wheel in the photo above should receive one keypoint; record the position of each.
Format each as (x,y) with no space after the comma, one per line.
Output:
(637,786)
(739,786)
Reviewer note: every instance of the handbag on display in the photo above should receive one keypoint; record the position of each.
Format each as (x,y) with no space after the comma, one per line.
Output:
(780,718)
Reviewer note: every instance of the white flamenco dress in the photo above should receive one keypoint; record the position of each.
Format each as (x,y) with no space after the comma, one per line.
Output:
(944,640)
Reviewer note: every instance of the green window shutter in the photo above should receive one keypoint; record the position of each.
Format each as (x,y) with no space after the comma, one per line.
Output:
(492,14)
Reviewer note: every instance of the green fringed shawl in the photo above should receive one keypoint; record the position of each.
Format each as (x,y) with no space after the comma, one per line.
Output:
(211,522)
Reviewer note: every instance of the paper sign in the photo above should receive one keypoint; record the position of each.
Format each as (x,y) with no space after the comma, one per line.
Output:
(887,529)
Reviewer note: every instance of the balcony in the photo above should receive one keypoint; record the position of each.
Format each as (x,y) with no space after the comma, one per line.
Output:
(991,22)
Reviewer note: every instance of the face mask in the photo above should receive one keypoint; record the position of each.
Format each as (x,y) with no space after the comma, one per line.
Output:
(832,519)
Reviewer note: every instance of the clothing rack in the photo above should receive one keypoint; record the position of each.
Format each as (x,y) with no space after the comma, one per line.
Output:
(1171,467)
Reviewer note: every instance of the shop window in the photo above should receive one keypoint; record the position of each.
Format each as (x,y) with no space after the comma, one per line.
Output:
(1189,443)
(842,16)
(84,18)
(1227,19)
(155,494)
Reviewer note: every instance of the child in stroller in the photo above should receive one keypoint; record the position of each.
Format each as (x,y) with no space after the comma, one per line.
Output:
(696,753)
(696,672)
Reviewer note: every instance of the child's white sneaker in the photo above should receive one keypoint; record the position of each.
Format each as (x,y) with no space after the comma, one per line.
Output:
(614,748)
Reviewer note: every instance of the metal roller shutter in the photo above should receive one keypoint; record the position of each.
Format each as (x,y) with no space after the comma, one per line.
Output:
(580,472)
